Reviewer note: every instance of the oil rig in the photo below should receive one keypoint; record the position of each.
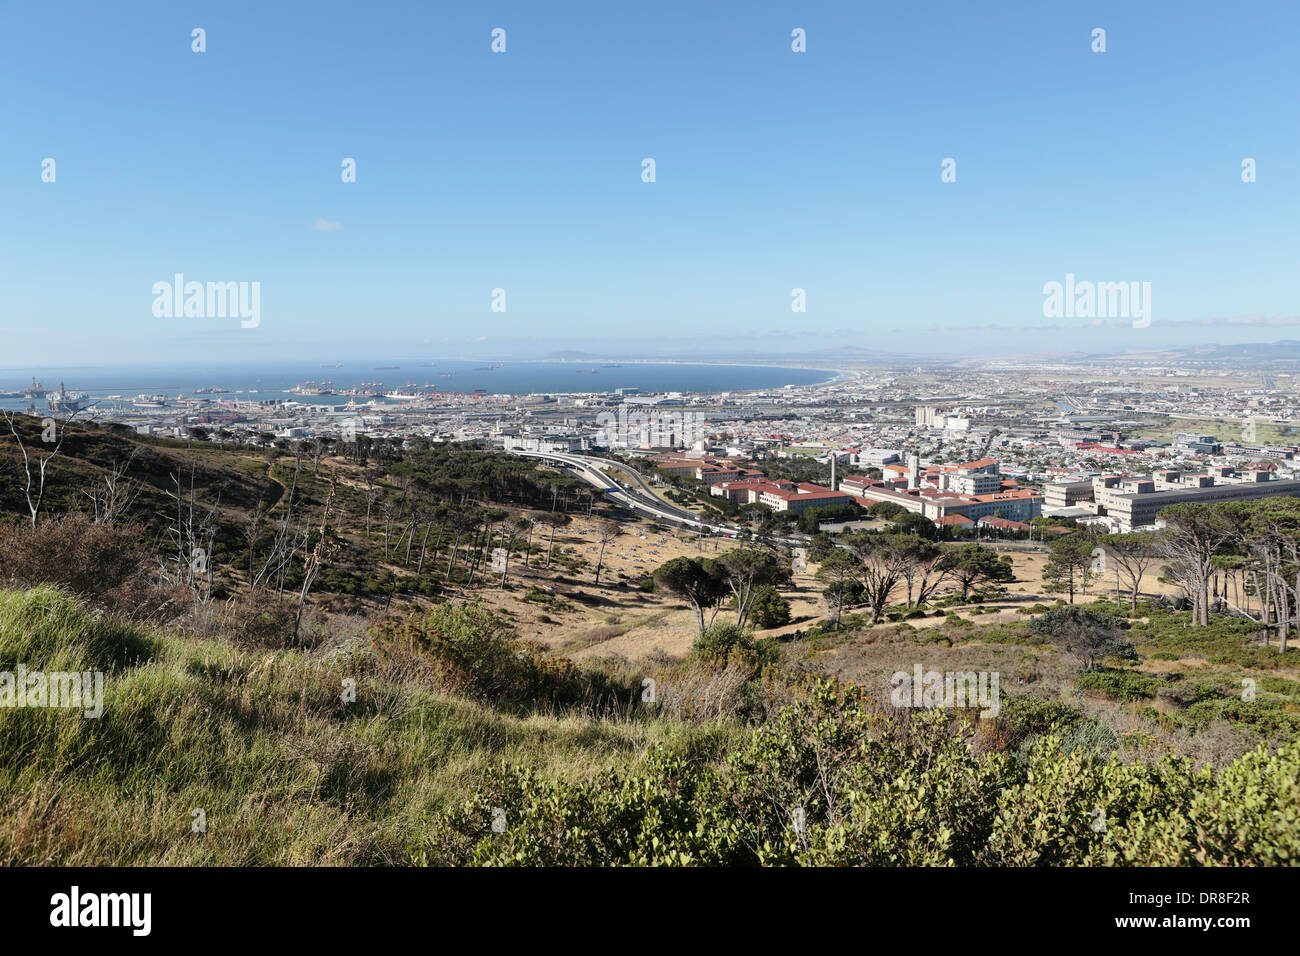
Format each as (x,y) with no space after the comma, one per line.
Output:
(64,402)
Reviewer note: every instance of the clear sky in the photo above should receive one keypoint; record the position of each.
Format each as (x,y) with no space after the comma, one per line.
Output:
(523,171)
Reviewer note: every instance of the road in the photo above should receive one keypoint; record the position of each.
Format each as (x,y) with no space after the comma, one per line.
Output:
(645,502)
(640,498)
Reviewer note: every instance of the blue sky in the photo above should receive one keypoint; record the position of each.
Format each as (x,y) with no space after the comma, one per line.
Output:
(522,171)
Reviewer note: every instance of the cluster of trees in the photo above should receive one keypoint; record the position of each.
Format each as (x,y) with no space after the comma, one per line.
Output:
(748,577)
(413,514)
(1240,557)
(874,570)
(425,513)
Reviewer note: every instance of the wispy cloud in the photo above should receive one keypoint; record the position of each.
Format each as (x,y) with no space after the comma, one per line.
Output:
(324,225)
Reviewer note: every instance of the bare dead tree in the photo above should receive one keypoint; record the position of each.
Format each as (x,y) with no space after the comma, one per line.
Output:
(556,519)
(313,560)
(410,539)
(389,508)
(606,531)
(52,433)
(514,529)
(118,494)
(479,545)
(530,523)
(372,495)
(283,547)
(193,535)
(424,544)
(252,529)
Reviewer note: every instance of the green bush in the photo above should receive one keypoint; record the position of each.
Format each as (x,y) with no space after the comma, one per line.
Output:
(1030,715)
(768,609)
(1089,736)
(833,782)
(725,637)
(471,652)
(1119,685)
(1233,642)
(1265,717)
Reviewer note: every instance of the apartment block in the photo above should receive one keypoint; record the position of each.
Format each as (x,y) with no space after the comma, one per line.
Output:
(1127,502)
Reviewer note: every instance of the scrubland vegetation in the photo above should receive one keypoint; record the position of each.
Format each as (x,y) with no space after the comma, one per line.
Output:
(256,711)
(456,725)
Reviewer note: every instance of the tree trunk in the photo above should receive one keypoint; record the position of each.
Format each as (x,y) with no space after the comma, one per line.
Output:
(451,563)
(424,547)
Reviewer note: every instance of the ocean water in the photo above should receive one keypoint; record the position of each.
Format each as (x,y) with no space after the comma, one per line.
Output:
(264,382)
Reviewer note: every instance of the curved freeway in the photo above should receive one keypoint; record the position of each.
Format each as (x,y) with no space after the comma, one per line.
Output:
(640,499)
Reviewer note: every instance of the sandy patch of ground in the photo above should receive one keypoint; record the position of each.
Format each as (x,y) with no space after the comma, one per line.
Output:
(617,619)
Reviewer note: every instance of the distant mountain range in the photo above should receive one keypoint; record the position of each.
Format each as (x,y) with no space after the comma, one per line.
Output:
(849,353)
(1286,351)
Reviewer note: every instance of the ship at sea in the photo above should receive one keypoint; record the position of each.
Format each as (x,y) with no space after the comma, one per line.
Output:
(36,391)
(386,368)
(399,396)
(64,402)
(587,371)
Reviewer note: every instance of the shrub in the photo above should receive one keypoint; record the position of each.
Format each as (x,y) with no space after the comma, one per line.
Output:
(1119,685)
(259,620)
(1265,717)
(1029,716)
(768,609)
(469,651)
(103,564)
(1089,635)
(724,637)
(833,781)
(1088,736)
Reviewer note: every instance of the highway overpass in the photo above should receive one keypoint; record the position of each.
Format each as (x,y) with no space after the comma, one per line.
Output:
(635,495)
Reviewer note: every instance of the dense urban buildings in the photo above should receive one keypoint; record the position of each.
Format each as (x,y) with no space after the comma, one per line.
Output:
(1106,443)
